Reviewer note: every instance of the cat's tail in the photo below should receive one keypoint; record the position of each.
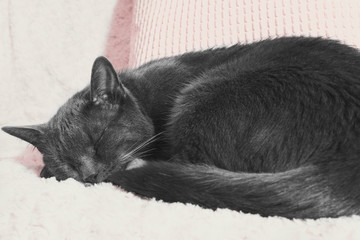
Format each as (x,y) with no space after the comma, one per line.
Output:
(305,192)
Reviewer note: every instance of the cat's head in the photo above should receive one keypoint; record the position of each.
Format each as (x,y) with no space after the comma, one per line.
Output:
(94,133)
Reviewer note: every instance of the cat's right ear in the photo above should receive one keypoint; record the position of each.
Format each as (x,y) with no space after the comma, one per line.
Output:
(105,84)
(31,134)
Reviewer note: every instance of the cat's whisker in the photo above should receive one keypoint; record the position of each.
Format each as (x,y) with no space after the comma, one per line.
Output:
(146,142)
(129,155)
(131,151)
(144,154)
(125,159)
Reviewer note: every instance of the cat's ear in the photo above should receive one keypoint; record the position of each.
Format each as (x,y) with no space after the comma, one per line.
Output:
(32,134)
(105,84)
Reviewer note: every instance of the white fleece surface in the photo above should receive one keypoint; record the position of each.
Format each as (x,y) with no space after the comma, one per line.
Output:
(46,52)
(35,208)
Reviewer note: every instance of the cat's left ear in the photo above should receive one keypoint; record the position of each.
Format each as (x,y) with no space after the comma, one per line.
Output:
(32,134)
(105,83)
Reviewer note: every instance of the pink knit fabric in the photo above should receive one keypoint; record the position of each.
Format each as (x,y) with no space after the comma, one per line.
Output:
(119,40)
(166,28)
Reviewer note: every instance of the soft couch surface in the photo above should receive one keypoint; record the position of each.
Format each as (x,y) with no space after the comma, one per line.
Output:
(47,49)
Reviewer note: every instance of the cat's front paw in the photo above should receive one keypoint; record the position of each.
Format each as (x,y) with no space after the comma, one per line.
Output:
(137,162)
(117,177)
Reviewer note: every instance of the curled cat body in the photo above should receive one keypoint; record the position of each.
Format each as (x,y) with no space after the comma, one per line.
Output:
(271,127)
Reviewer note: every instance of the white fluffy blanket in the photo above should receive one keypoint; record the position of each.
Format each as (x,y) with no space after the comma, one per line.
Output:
(35,208)
(47,49)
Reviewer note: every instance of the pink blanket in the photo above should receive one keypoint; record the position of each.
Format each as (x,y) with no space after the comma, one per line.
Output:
(163,28)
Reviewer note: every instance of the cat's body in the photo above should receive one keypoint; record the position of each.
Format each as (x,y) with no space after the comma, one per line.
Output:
(271,127)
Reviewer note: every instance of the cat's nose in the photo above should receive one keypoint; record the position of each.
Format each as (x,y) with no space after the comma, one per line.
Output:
(91,179)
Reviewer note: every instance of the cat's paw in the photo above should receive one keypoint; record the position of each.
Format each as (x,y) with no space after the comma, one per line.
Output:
(115,172)
(137,162)
(117,177)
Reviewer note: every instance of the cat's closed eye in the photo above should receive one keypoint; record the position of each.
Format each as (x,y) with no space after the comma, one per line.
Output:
(98,141)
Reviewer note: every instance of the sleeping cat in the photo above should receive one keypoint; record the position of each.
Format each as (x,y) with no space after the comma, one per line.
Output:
(271,127)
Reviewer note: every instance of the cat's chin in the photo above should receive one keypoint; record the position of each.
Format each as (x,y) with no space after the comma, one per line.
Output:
(136,163)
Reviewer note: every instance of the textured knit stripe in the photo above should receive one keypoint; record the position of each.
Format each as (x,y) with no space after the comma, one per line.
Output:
(168,27)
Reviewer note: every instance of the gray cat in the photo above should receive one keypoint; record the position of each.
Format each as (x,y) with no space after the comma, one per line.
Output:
(271,127)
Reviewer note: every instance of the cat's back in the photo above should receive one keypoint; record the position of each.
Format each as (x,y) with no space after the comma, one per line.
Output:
(305,53)
(288,98)
(306,64)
